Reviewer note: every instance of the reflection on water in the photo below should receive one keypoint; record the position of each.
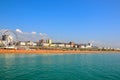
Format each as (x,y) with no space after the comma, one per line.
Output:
(59,67)
(8,60)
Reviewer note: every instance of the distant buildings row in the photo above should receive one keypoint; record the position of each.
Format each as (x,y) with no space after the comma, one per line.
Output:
(9,41)
(48,43)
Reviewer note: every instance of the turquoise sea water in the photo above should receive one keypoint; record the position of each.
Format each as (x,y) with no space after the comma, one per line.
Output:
(60,67)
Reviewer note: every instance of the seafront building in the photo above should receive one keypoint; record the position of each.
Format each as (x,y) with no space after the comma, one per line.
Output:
(8,41)
(26,43)
(48,43)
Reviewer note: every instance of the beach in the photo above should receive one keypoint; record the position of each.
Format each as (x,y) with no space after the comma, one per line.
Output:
(52,51)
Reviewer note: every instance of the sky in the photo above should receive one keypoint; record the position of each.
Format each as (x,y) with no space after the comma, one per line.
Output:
(80,21)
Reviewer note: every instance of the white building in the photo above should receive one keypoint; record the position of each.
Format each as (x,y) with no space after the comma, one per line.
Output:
(61,45)
(53,45)
(34,44)
(45,44)
(30,43)
(49,41)
(83,46)
(1,43)
(89,45)
(21,43)
(67,45)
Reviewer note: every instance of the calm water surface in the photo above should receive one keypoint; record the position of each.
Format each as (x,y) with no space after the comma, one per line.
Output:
(60,67)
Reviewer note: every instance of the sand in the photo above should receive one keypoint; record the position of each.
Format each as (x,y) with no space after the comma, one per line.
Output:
(53,51)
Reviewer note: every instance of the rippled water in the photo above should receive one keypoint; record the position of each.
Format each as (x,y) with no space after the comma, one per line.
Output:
(60,67)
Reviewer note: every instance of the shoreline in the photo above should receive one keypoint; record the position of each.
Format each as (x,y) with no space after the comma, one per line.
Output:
(4,51)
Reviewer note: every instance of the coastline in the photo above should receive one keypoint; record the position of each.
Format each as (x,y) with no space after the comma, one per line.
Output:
(4,51)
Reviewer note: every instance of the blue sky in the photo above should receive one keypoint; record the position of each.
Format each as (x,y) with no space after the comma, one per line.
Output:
(65,20)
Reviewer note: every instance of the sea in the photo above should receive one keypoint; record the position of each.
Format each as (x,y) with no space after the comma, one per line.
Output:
(102,66)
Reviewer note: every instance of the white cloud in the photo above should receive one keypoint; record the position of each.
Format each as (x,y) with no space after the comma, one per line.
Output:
(34,32)
(18,30)
(43,34)
(40,34)
(33,36)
